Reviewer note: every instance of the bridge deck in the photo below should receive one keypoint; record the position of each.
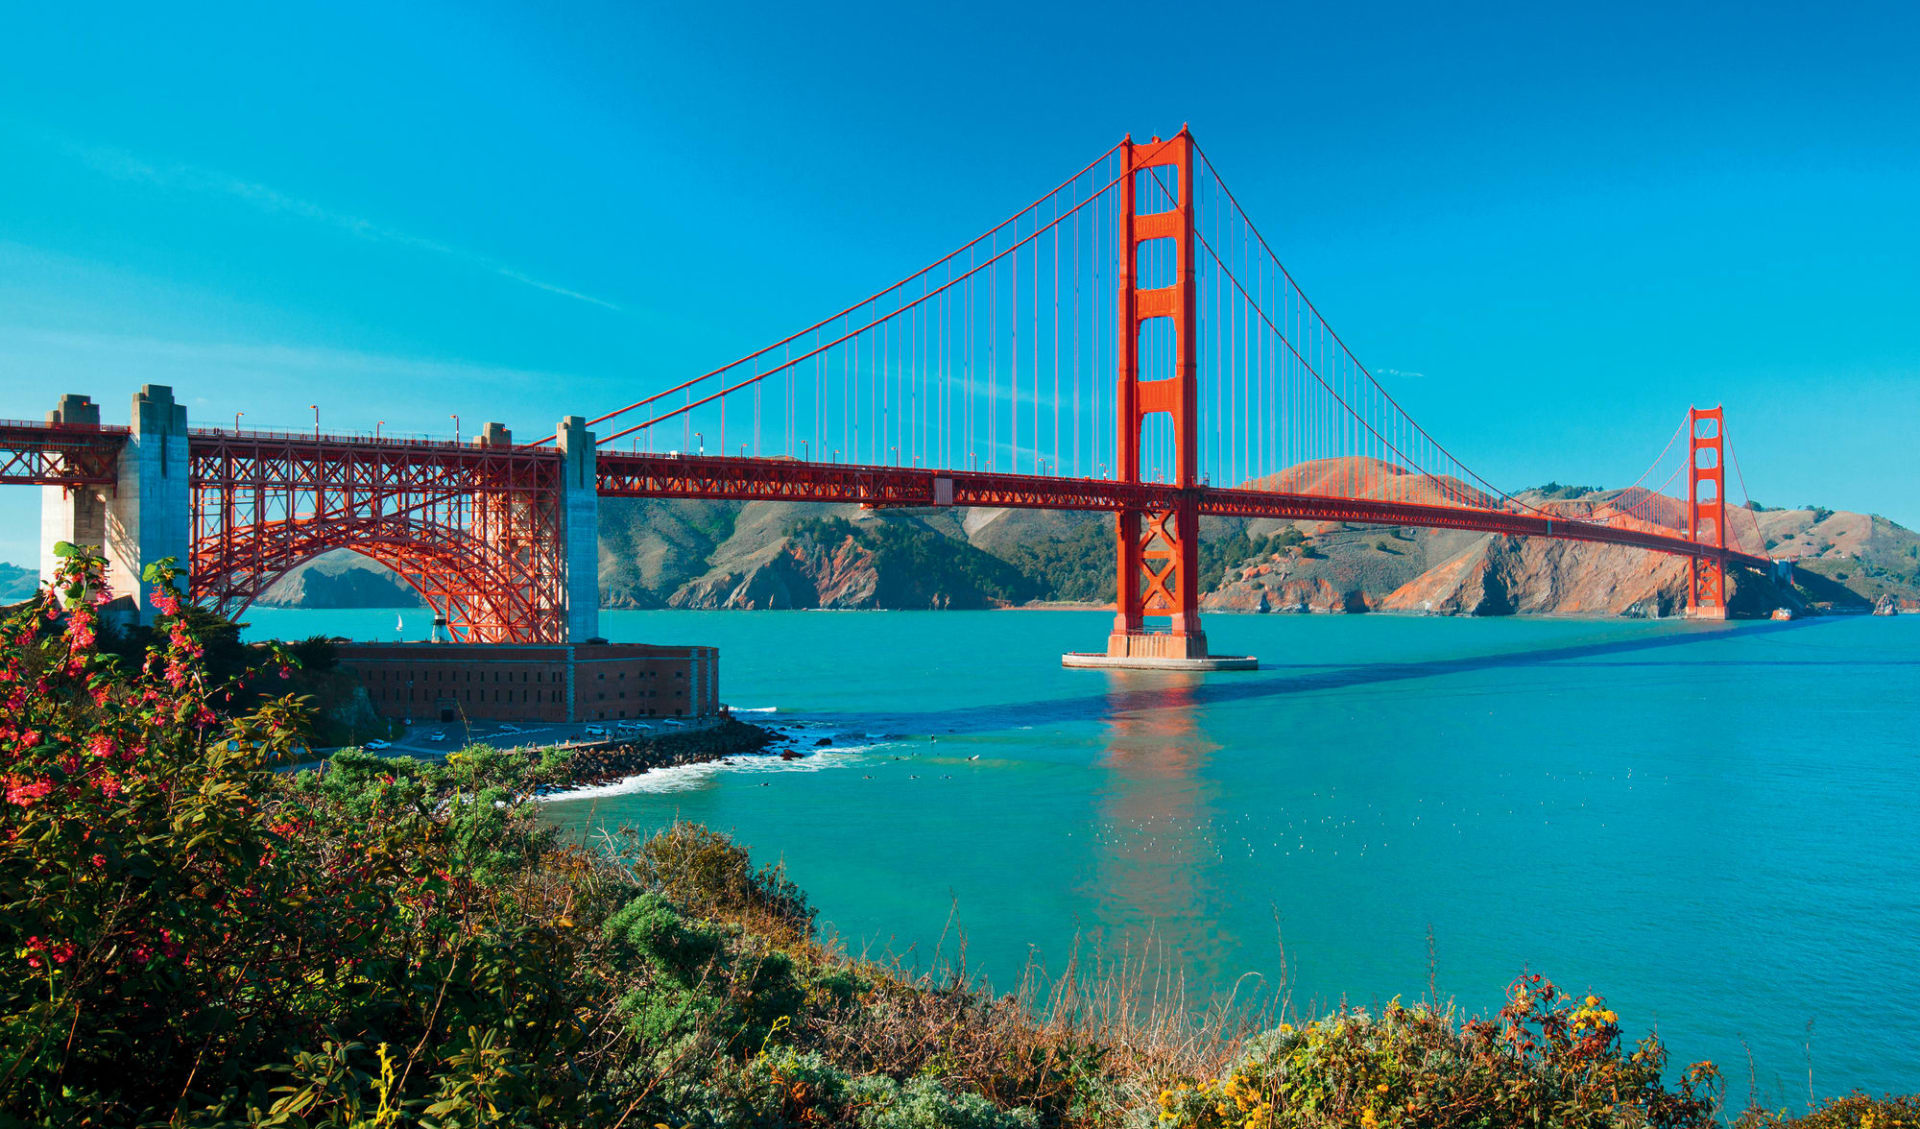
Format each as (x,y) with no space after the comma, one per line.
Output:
(746,479)
(59,454)
(81,454)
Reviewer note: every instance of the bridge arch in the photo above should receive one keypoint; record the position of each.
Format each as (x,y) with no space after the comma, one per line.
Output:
(485,591)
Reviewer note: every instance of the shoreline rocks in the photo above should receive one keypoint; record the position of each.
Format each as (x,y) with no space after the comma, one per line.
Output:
(612,763)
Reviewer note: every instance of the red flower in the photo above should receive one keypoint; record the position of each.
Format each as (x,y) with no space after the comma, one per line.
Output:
(24,794)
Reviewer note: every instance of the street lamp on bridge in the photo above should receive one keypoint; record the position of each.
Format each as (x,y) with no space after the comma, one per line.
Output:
(376,429)
(316,419)
(455,417)
(236,422)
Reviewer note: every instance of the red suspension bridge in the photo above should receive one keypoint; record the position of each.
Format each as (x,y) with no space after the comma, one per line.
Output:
(1128,343)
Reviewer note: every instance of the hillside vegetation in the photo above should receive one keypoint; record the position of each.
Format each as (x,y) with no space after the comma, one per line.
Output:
(198,940)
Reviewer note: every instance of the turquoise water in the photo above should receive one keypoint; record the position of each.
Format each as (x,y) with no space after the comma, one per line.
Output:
(1712,825)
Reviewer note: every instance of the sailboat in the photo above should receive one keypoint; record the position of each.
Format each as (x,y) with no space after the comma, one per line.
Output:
(399,628)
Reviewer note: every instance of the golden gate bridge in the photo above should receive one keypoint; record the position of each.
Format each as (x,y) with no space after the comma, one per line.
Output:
(1129,342)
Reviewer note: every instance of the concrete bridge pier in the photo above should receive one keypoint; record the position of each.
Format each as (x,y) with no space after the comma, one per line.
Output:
(76,514)
(580,528)
(147,515)
(151,515)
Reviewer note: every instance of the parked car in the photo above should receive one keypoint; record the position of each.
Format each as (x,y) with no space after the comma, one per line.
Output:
(596,731)
(436,736)
(376,745)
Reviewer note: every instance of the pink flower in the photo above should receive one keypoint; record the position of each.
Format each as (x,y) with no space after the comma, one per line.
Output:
(166,602)
(99,861)
(26,795)
(101,745)
(109,786)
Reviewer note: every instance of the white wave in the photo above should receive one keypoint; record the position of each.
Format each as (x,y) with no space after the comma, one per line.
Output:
(756,709)
(688,777)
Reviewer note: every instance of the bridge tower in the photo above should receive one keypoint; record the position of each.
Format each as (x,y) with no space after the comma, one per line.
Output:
(1707,512)
(1158,551)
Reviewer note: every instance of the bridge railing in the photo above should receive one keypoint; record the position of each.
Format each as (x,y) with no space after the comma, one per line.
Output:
(403,440)
(68,428)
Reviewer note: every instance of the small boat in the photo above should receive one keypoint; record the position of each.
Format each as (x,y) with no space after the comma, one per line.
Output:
(1783,614)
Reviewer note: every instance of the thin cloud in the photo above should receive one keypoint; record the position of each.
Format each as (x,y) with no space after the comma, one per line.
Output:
(125,166)
(239,358)
(1403,373)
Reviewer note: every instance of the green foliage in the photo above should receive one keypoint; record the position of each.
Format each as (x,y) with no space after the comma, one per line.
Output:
(1077,568)
(196,934)
(315,653)
(925,1104)
(1855,1111)
(714,876)
(1546,1059)
(1219,557)
(1556,492)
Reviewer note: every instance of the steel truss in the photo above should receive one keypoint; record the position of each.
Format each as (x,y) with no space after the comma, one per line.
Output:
(59,454)
(475,530)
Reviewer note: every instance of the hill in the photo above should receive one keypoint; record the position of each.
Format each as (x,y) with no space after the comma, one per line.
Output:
(17,583)
(340,579)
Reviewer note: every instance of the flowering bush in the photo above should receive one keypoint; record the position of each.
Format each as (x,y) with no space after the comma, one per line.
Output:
(192,935)
(1855,1111)
(1546,1059)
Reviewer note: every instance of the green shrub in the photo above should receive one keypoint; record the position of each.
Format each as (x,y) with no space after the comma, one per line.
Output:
(711,875)
(1546,1059)
(1855,1111)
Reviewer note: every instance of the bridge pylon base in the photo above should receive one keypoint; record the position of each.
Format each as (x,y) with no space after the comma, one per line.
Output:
(1158,650)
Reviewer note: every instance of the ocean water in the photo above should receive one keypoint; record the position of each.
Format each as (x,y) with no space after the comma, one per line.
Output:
(1717,827)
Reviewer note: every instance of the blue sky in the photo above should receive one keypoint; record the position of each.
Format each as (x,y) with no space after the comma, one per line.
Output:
(1556,228)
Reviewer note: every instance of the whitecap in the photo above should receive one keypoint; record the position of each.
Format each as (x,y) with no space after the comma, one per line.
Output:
(688,777)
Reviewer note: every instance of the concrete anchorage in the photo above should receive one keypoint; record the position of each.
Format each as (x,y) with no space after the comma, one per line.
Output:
(148,514)
(580,528)
(76,514)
